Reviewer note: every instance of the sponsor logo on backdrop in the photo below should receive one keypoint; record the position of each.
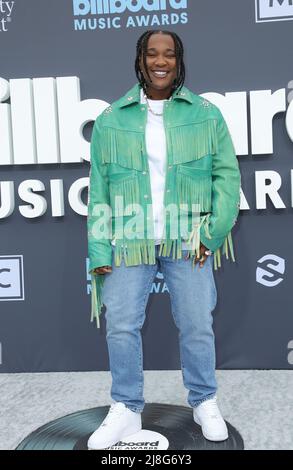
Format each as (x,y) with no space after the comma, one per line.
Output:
(124,14)
(11,278)
(290,355)
(273,10)
(269,271)
(6,10)
(143,440)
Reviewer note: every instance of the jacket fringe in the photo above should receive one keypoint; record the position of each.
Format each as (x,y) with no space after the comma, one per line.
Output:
(134,252)
(125,191)
(194,191)
(188,142)
(97,281)
(226,247)
(193,141)
(116,148)
(194,238)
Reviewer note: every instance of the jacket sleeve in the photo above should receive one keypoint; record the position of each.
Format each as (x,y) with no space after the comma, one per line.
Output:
(226,181)
(98,218)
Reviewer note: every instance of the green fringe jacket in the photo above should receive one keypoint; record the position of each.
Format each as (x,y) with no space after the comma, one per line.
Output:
(202,182)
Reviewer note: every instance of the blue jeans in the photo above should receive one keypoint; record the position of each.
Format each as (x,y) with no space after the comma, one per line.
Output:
(193,296)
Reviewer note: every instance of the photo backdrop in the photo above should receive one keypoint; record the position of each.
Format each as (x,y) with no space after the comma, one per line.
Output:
(61,63)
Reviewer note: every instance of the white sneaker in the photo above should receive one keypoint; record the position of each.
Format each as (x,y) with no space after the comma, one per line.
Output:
(120,422)
(209,417)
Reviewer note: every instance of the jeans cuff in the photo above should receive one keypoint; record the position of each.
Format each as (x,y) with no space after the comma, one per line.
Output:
(209,397)
(136,410)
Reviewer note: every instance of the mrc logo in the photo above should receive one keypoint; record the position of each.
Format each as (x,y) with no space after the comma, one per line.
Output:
(273,10)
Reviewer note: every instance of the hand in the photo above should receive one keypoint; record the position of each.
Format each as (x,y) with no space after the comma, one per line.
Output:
(103,270)
(203,256)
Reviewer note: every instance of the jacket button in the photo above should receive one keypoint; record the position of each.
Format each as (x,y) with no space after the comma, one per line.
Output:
(144,172)
(146,196)
(168,190)
(170,166)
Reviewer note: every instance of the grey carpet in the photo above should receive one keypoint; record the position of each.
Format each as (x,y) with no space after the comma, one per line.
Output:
(258,403)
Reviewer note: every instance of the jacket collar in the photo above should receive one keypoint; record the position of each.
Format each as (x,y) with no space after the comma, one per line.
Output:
(133,96)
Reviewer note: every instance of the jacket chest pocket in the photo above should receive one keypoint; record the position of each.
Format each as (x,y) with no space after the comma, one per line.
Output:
(194,144)
(122,148)
(124,190)
(194,187)
(197,165)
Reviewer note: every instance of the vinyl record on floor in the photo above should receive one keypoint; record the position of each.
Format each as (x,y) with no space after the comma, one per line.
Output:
(164,427)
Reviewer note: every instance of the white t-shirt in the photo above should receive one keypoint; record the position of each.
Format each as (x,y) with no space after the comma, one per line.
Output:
(157,157)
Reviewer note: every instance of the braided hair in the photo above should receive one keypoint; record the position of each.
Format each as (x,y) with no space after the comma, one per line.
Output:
(141,48)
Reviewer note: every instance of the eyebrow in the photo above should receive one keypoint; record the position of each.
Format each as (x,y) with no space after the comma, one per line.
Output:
(154,49)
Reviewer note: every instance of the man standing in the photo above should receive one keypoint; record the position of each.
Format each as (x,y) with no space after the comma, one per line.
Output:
(163,147)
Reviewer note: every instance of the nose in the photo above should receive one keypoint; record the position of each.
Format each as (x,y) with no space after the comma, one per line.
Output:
(160,61)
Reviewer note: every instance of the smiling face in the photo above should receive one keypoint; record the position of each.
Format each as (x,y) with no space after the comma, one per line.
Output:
(161,66)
